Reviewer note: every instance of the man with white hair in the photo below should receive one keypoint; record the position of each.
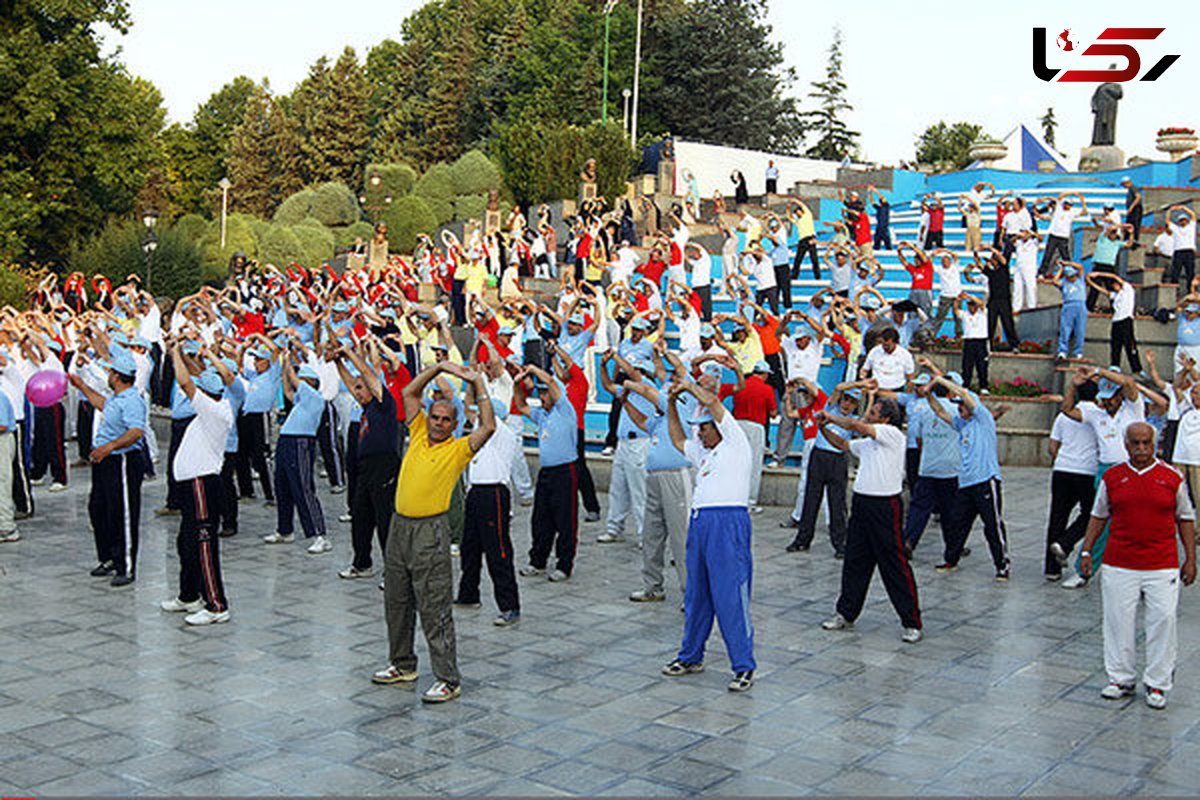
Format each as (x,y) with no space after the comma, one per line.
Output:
(1144,505)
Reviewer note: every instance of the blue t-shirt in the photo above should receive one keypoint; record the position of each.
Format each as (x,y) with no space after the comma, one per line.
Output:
(263,391)
(305,416)
(823,444)
(1106,250)
(122,412)
(627,348)
(663,452)
(556,430)
(1074,291)
(626,427)
(939,442)
(8,420)
(916,408)
(235,393)
(304,330)
(576,345)
(977,445)
(1187,331)
(181,406)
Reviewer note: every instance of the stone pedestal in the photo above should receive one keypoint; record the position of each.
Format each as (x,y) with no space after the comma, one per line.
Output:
(587,191)
(491,221)
(666,176)
(1098,158)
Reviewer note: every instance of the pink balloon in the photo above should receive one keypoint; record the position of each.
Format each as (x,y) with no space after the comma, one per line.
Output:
(45,388)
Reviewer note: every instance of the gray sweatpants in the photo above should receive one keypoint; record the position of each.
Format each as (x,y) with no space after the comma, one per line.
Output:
(668,500)
(417,579)
(757,435)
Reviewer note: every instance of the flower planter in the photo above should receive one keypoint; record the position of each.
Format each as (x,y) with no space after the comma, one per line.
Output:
(988,150)
(1177,145)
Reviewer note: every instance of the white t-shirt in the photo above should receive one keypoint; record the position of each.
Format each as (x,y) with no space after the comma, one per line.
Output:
(331,380)
(493,462)
(1078,451)
(949,278)
(202,448)
(764,272)
(501,388)
(1187,439)
(150,325)
(141,377)
(802,362)
(12,381)
(624,265)
(689,330)
(880,462)
(1122,302)
(681,236)
(974,324)
(1165,244)
(1061,219)
(722,473)
(1183,237)
(1016,221)
(890,369)
(1026,252)
(1110,430)
(701,270)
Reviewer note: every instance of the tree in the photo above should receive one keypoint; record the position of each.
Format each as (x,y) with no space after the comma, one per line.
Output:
(1049,123)
(718,77)
(835,140)
(952,143)
(338,129)
(78,134)
(250,157)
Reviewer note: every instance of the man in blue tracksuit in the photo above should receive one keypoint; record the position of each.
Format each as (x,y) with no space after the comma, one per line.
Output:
(295,453)
(719,566)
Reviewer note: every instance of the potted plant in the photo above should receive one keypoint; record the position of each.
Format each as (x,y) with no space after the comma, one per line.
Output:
(988,149)
(1176,142)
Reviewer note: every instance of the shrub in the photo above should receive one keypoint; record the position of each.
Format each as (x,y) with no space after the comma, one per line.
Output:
(295,207)
(470,206)
(240,234)
(316,245)
(442,210)
(436,183)
(14,291)
(280,247)
(405,218)
(394,179)
(334,204)
(474,173)
(311,222)
(117,251)
(192,226)
(344,237)
(542,161)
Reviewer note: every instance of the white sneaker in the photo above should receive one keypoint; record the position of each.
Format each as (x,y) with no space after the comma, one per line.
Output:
(609,538)
(38,482)
(346,517)
(320,545)
(773,463)
(911,635)
(10,536)
(608,451)
(530,571)
(351,572)
(757,509)
(1115,691)
(175,605)
(57,487)
(1156,699)
(455,550)
(526,501)
(1076,581)
(337,489)
(557,576)
(206,617)
(837,623)
(440,692)
(279,538)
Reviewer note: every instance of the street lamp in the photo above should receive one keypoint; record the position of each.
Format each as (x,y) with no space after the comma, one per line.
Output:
(150,243)
(625,93)
(224,184)
(637,72)
(371,201)
(608,9)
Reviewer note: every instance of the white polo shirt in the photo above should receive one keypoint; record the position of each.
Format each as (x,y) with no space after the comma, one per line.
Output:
(949,278)
(1110,430)
(890,369)
(1183,237)
(974,324)
(1061,219)
(689,330)
(202,448)
(722,473)
(802,362)
(1078,451)
(493,462)
(880,462)
(701,270)
(1122,302)
(1165,244)
(1016,221)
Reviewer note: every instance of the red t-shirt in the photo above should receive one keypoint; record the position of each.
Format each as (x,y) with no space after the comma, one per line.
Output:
(577,393)
(862,229)
(755,403)
(653,270)
(396,381)
(250,324)
(937,215)
(1141,531)
(922,274)
(807,424)
(676,257)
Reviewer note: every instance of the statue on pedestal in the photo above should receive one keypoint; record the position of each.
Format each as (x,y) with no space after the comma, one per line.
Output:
(491,215)
(1104,108)
(587,181)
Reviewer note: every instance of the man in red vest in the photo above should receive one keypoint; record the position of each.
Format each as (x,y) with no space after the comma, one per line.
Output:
(1145,503)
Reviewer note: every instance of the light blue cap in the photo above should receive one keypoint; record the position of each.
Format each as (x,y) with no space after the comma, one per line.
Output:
(922,379)
(1107,389)
(802,330)
(262,352)
(869,301)
(54,344)
(308,371)
(210,381)
(576,319)
(855,394)
(389,313)
(954,377)
(762,367)
(122,338)
(191,347)
(230,364)
(713,368)
(1192,307)
(505,330)
(1070,271)
(641,324)
(701,416)
(341,307)
(122,363)
(140,341)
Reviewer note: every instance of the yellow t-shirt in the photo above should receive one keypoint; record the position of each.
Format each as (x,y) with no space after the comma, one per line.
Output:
(428,473)
(748,352)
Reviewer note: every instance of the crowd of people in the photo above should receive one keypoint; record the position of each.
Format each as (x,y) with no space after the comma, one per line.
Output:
(417,412)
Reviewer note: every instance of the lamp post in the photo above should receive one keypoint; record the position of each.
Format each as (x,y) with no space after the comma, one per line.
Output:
(373,184)
(150,243)
(637,72)
(608,9)
(224,184)
(625,93)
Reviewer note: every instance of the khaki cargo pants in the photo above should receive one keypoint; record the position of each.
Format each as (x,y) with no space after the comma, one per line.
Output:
(418,580)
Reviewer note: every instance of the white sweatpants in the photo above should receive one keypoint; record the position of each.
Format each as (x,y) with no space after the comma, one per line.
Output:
(8,449)
(1122,591)
(520,467)
(1025,286)
(798,511)
(757,435)
(627,486)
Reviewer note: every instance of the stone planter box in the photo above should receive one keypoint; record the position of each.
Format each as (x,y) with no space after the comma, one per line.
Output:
(1177,145)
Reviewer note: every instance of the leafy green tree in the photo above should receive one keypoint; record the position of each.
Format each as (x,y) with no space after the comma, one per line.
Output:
(250,157)
(405,218)
(195,154)
(338,128)
(947,143)
(116,251)
(835,140)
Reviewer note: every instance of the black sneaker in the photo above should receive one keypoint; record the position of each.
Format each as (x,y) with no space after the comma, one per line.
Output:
(1002,574)
(121,580)
(796,547)
(103,570)
(742,681)
(677,668)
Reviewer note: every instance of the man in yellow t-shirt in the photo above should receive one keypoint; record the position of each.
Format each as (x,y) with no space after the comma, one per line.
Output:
(417,574)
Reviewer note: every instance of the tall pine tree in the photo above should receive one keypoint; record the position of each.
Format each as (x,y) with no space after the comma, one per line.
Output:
(339,133)
(835,140)
(249,159)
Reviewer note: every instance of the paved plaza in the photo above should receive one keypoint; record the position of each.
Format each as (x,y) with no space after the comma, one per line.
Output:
(101,693)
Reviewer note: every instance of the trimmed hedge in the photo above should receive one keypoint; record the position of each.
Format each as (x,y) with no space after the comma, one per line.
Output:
(405,218)
(344,237)
(395,179)
(436,184)
(474,173)
(334,204)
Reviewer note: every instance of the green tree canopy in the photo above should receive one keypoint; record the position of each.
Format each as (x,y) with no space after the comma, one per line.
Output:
(947,143)
(835,140)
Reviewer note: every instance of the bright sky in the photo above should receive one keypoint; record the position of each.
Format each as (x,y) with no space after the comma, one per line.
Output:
(907,65)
